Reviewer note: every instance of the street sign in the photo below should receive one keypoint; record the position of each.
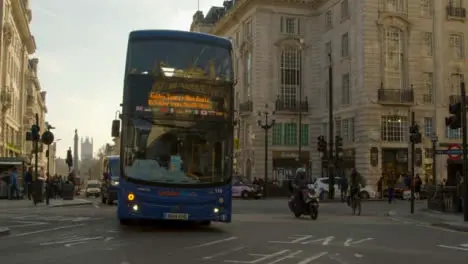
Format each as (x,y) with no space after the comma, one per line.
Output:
(455,151)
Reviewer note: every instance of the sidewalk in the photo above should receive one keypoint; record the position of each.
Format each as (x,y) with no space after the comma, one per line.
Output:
(25,203)
(438,219)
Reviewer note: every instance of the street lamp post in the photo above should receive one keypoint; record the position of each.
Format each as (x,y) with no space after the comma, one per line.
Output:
(434,140)
(266,124)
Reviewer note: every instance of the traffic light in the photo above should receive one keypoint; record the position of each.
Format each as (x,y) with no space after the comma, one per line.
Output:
(321,144)
(35,136)
(338,145)
(69,159)
(454,120)
(415,135)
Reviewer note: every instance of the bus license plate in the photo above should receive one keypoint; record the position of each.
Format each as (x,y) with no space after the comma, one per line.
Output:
(173,216)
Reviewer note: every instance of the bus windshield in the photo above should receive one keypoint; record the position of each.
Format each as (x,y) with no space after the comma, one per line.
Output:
(179,58)
(184,152)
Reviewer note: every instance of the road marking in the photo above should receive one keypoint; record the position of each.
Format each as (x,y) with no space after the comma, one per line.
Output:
(350,242)
(213,242)
(313,258)
(325,241)
(289,256)
(223,253)
(76,243)
(45,230)
(262,257)
(463,247)
(26,224)
(295,239)
(71,241)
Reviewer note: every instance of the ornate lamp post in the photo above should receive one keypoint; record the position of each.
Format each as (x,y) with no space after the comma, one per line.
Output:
(266,121)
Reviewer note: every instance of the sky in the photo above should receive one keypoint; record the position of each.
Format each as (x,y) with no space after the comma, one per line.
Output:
(81,47)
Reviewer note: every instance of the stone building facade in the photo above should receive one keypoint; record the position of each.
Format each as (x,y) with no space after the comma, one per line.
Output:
(389,58)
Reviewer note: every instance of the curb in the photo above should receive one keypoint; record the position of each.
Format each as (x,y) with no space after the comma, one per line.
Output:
(452,226)
(72,204)
(4,231)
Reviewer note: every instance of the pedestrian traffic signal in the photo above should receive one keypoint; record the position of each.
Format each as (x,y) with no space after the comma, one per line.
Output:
(454,120)
(338,145)
(321,144)
(415,135)
(35,132)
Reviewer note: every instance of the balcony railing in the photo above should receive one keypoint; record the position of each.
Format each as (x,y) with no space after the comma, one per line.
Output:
(395,96)
(453,99)
(246,107)
(282,105)
(456,12)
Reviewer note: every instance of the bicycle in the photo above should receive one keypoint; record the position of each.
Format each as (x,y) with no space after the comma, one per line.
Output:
(356,203)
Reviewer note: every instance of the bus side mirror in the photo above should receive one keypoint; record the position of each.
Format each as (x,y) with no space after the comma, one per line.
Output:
(115,128)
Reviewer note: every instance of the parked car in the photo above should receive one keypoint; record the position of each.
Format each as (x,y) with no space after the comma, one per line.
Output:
(244,188)
(321,186)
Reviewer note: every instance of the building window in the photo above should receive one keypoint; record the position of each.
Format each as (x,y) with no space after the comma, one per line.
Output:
(344,10)
(290,25)
(394,128)
(290,134)
(456,45)
(393,58)
(328,20)
(455,3)
(345,45)
(345,93)
(305,135)
(247,75)
(428,153)
(426,8)
(247,29)
(277,138)
(396,6)
(453,133)
(290,75)
(338,126)
(455,80)
(428,126)
(428,87)
(428,48)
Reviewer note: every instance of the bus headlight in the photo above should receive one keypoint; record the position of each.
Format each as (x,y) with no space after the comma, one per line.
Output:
(130,197)
(221,200)
(135,207)
(114,183)
(215,210)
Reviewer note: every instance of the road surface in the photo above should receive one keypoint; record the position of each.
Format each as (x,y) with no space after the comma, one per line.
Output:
(262,232)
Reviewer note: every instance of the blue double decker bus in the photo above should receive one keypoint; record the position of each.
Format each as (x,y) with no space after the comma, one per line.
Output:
(176,128)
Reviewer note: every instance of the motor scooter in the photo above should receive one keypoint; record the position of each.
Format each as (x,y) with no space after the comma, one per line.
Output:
(308,206)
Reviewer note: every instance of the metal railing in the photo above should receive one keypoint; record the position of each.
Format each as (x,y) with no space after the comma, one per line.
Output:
(444,198)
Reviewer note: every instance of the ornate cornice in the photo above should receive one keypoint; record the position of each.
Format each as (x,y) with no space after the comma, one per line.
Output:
(291,41)
(394,19)
(22,19)
(241,7)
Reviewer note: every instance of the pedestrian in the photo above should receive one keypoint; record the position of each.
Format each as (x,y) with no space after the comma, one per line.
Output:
(13,190)
(391,186)
(417,187)
(28,178)
(344,187)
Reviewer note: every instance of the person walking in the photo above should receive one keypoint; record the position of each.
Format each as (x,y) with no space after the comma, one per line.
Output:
(13,190)
(391,186)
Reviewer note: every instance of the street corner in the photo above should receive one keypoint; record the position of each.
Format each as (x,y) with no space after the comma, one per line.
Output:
(455,226)
(69,203)
(4,231)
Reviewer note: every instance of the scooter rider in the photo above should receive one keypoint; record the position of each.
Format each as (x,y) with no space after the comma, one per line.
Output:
(300,183)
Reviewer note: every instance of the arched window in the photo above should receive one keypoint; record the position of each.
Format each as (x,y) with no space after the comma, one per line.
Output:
(290,76)
(393,58)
